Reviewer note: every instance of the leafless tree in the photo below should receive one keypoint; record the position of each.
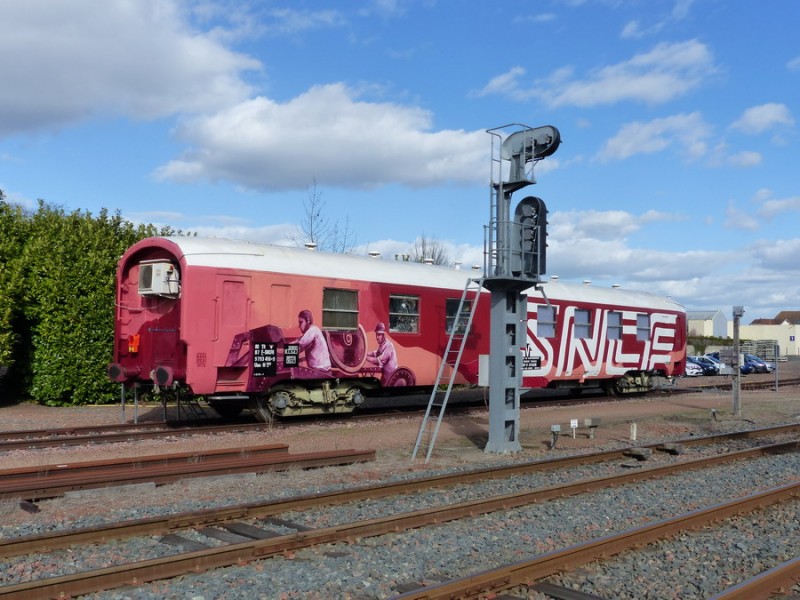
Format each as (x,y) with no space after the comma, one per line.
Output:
(427,248)
(342,238)
(316,228)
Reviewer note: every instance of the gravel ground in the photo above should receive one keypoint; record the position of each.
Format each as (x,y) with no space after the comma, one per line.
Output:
(362,570)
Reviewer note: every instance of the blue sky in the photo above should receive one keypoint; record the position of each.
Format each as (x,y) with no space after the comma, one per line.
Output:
(677,171)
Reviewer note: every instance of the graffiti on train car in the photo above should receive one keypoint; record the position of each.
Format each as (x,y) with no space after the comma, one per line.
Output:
(597,342)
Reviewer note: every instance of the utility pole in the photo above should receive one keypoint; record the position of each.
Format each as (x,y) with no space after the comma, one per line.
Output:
(738,312)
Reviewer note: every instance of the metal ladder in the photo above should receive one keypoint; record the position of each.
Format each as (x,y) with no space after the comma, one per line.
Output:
(448,369)
(189,405)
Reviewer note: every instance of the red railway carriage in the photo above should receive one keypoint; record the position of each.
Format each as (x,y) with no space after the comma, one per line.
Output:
(289,331)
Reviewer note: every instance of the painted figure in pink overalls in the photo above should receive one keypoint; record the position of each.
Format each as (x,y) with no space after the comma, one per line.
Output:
(313,343)
(384,356)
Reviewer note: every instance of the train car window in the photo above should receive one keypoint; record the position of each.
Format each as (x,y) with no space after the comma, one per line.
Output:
(583,324)
(339,309)
(642,327)
(451,312)
(546,321)
(614,325)
(403,314)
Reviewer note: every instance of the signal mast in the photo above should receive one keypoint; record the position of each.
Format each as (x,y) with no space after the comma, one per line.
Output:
(514,260)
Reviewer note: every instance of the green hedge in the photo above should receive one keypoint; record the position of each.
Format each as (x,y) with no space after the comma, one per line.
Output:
(57,275)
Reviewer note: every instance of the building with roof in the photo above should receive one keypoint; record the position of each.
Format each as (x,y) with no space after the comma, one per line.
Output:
(784,329)
(707,323)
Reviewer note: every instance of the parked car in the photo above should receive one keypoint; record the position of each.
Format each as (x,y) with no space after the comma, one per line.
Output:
(709,366)
(759,366)
(722,368)
(745,368)
(692,369)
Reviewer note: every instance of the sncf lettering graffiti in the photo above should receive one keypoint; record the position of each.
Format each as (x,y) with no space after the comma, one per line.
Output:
(597,342)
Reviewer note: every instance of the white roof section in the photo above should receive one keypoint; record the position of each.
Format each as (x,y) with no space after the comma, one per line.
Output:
(616,297)
(702,315)
(236,254)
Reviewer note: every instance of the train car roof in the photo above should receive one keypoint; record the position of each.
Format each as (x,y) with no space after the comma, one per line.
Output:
(237,254)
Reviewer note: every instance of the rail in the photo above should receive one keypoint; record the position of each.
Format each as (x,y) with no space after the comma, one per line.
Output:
(523,572)
(49,481)
(200,560)
(104,434)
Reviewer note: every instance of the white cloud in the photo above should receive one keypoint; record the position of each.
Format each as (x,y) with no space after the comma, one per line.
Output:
(663,74)
(219,226)
(326,134)
(666,72)
(290,21)
(383,8)
(505,83)
(601,225)
(631,30)
(758,119)
(794,64)
(773,207)
(781,256)
(634,29)
(745,158)
(687,131)
(736,218)
(595,243)
(79,58)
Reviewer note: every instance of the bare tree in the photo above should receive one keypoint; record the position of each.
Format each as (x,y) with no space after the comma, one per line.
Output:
(429,249)
(342,239)
(317,229)
(314,226)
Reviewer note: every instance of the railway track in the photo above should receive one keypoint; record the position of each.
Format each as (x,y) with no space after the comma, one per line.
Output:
(235,524)
(48,481)
(464,402)
(723,382)
(519,574)
(106,434)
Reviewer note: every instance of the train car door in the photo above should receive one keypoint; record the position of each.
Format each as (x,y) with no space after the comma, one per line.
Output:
(232,318)
(281,309)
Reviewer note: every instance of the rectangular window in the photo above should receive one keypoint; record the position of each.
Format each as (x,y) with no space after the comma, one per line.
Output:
(403,314)
(339,309)
(614,325)
(546,321)
(642,327)
(451,310)
(583,324)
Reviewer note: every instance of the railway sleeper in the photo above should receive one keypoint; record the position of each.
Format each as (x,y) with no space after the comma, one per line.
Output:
(235,532)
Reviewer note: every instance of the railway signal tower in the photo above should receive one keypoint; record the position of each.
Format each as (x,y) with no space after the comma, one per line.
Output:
(514,260)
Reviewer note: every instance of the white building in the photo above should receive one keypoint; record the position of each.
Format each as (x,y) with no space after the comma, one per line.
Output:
(784,329)
(707,323)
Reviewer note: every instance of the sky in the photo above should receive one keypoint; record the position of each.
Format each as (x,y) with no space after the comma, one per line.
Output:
(677,172)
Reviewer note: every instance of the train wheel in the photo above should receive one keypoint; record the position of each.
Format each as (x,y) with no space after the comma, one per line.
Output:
(263,410)
(226,410)
(402,377)
(611,387)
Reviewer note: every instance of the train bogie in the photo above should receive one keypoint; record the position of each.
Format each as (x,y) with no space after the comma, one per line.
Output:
(291,332)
